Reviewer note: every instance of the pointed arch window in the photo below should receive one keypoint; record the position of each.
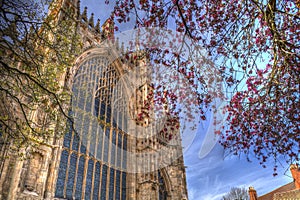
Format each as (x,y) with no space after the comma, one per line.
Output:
(94,155)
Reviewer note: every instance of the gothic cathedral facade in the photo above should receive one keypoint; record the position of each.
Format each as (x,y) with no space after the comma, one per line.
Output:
(103,154)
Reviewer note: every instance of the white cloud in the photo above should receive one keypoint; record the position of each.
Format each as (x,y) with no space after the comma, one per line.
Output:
(212,177)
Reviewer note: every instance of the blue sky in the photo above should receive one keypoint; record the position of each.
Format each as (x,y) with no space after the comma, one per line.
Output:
(211,177)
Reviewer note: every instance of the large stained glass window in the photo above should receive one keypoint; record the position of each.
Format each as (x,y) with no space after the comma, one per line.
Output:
(94,157)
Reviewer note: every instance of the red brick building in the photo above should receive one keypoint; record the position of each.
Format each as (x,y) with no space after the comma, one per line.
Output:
(290,191)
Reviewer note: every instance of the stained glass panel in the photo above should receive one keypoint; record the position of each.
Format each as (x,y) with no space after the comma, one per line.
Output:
(75,145)
(123,185)
(119,149)
(124,161)
(103,182)
(71,176)
(59,192)
(118,179)
(79,181)
(96,181)
(111,184)
(113,147)
(89,179)
(106,145)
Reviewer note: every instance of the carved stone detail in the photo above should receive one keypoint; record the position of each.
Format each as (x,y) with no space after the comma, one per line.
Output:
(33,172)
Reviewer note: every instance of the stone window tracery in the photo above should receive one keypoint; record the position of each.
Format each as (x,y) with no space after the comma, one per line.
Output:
(94,156)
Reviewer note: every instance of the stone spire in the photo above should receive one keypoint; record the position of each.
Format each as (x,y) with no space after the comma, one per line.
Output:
(84,14)
(97,27)
(91,20)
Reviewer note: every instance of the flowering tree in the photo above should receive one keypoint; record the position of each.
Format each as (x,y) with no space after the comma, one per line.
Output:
(256,51)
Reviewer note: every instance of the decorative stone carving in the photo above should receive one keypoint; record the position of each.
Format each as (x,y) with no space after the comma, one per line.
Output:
(33,172)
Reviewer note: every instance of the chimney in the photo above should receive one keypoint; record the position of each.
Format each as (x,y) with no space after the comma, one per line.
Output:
(295,170)
(252,193)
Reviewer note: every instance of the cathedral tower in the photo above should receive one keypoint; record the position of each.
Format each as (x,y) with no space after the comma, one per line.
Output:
(110,150)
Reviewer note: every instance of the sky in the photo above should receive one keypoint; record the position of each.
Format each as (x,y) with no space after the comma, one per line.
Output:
(211,176)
